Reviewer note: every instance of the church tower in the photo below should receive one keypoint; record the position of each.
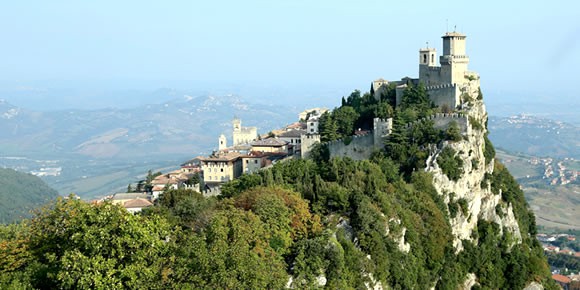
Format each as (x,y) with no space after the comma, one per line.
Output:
(223,142)
(454,61)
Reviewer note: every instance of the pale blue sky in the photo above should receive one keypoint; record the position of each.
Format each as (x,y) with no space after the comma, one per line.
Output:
(532,45)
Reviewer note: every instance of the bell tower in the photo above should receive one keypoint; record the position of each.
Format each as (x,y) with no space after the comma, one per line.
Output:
(428,70)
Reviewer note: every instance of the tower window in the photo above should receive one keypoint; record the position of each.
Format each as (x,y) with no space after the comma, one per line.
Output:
(432,57)
(424,58)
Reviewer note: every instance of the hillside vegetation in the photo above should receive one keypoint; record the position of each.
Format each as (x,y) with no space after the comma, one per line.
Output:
(318,223)
(20,193)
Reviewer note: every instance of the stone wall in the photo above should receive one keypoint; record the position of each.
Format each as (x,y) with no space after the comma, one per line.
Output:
(446,94)
(359,148)
(430,75)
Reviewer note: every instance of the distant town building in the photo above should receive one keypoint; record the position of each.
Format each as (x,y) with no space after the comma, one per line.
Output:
(562,280)
(223,142)
(243,135)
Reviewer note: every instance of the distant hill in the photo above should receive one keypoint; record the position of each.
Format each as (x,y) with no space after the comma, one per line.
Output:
(97,152)
(534,135)
(184,125)
(20,193)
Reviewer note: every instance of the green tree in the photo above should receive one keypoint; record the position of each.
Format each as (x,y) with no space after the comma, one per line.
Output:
(345,118)
(78,245)
(328,128)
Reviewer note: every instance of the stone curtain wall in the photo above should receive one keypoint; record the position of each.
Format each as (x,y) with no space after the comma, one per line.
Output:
(362,146)
(359,148)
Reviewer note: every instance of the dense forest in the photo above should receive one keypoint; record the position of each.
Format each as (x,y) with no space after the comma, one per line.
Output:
(20,193)
(329,223)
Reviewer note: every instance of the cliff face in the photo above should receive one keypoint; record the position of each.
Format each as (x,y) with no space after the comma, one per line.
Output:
(472,186)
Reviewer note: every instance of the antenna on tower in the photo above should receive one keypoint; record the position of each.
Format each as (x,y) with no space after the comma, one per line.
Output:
(427,44)
(455,28)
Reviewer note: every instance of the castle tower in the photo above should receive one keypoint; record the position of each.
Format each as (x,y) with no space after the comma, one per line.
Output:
(223,142)
(454,61)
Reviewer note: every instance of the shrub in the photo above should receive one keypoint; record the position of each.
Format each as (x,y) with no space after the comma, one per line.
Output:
(466,98)
(498,210)
(453,208)
(453,133)
(471,77)
(450,164)
(489,151)
(463,205)
(474,163)
(475,123)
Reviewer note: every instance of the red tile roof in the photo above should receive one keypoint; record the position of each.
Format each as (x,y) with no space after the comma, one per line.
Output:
(561,278)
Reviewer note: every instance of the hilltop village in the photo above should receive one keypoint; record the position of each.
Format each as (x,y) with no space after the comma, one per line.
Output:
(448,85)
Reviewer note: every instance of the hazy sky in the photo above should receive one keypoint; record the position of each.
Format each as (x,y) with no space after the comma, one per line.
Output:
(530,45)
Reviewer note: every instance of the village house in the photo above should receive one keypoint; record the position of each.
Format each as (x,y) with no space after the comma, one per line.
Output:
(132,201)
(293,138)
(137,205)
(191,166)
(221,167)
(272,145)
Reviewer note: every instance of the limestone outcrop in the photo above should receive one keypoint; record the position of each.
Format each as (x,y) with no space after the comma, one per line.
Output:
(472,185)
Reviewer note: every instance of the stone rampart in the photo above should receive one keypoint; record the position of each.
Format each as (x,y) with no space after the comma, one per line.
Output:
(360,147)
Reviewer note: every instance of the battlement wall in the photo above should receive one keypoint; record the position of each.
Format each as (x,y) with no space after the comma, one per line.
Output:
(360,147)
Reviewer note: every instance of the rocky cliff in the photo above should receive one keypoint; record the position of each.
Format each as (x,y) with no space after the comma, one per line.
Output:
(473,185)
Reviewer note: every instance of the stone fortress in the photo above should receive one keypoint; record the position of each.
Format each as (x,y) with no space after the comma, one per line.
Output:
(445,83)
(449,85)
